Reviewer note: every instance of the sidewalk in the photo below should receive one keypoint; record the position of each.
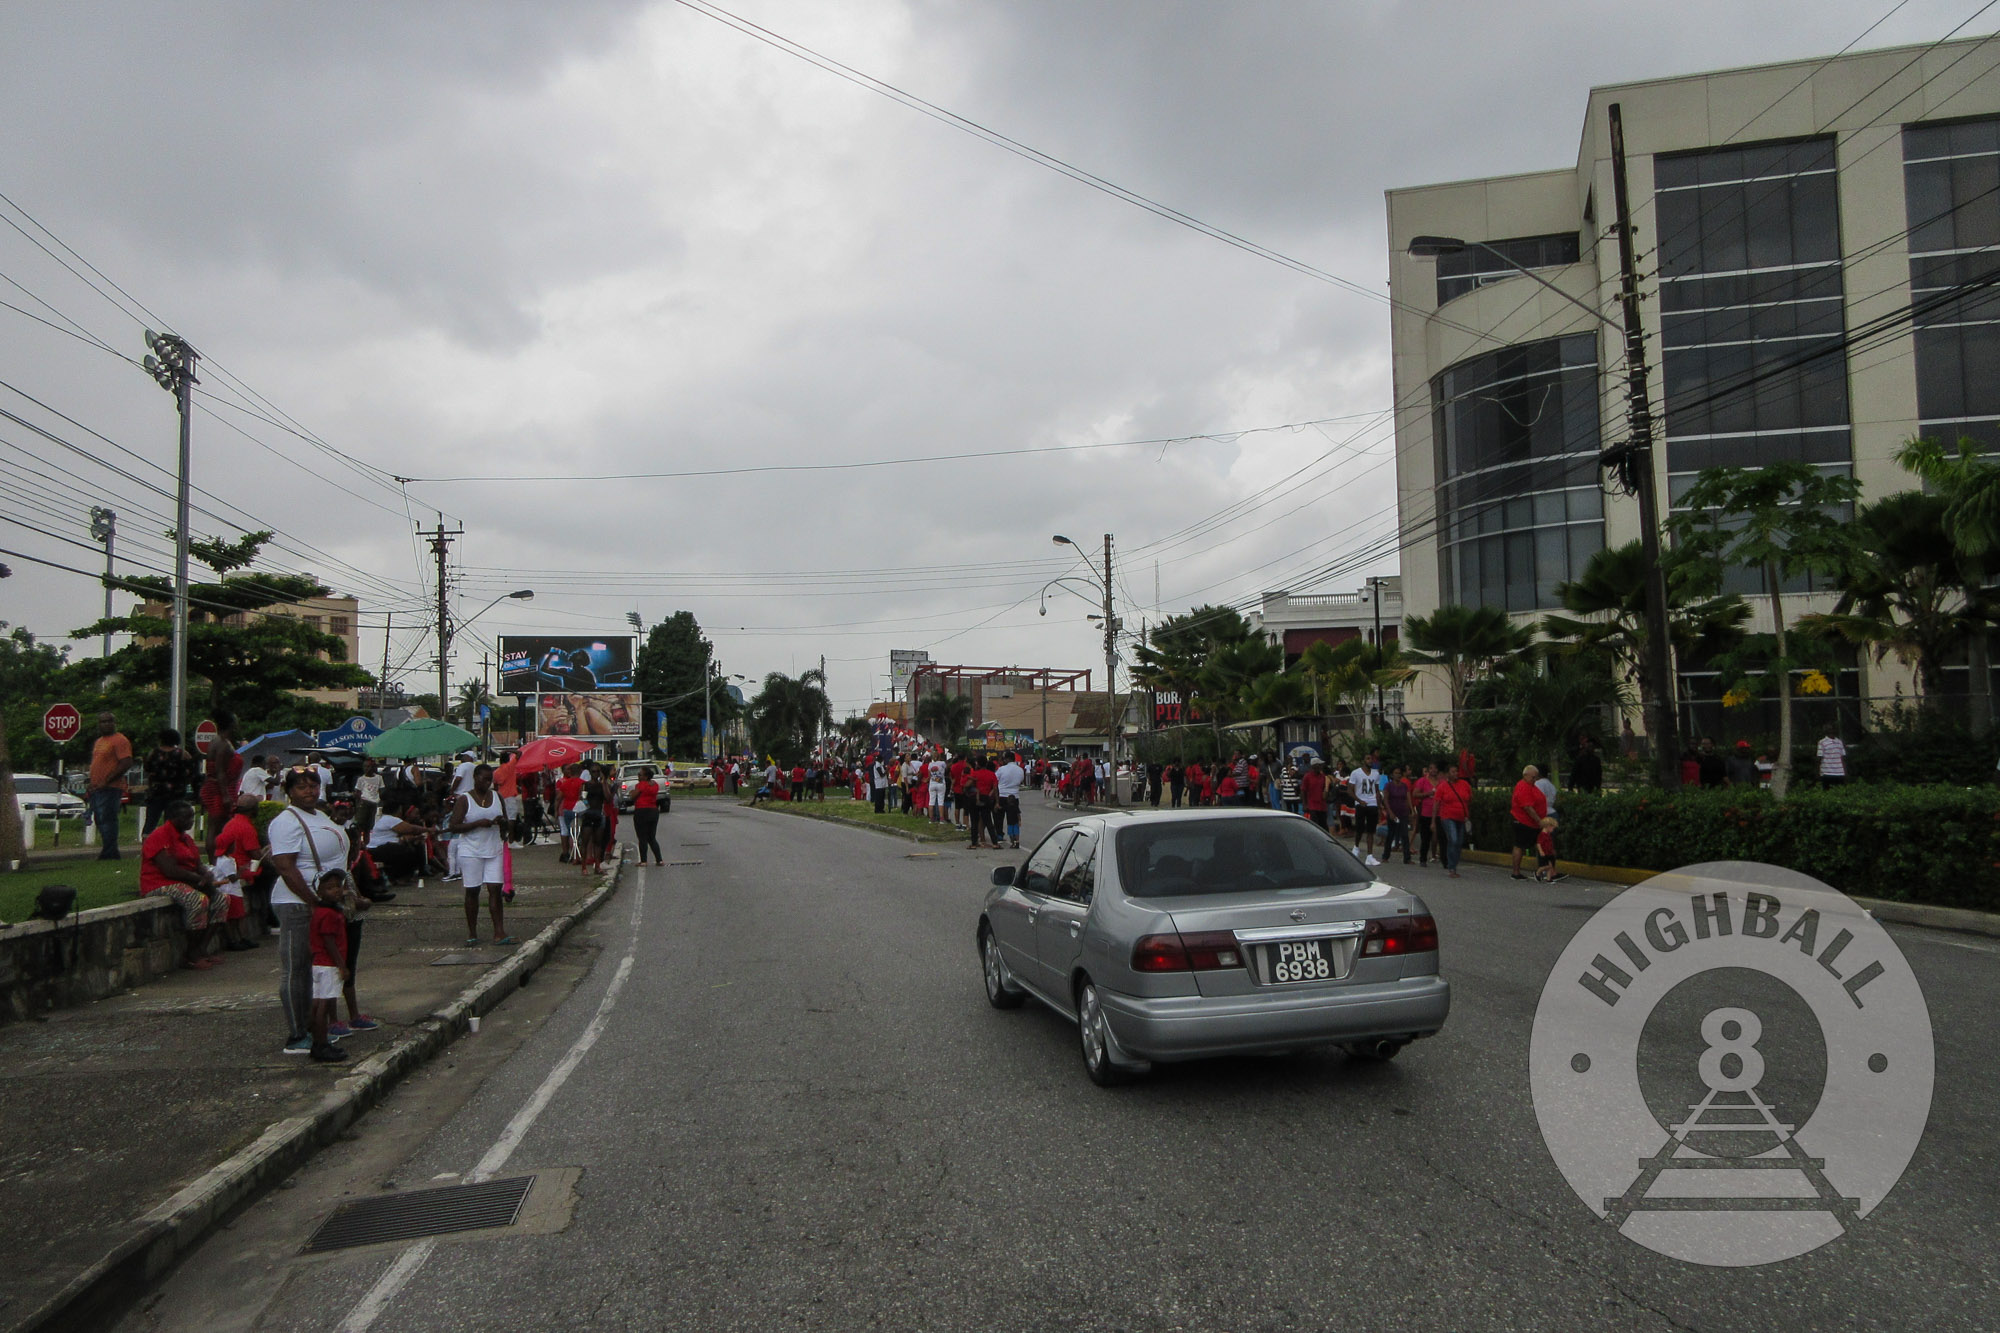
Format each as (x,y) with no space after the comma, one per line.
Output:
(112,1107)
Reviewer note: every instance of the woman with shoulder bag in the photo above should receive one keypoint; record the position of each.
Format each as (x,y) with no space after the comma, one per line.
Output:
(1454,808)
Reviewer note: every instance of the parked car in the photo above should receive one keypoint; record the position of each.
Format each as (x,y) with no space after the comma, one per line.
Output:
(628,778)
(1184,934)
(42,797)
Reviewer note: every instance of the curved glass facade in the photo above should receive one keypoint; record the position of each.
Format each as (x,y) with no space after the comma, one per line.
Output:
(1519,507)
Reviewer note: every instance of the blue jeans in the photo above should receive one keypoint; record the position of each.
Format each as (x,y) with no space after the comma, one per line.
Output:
(105,803)
(1454,839)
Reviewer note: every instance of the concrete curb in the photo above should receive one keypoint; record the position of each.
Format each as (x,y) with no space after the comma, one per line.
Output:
(860,823)
(161,1236)
(1963,919)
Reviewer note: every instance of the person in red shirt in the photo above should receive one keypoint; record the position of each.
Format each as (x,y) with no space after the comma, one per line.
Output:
(960,786)
(984,787)
(170,864)
(241,843)
(326,937)
(798,782)
(1225,791)
(569,790)
(1312,790)
(646,816)
(1545,853)
(1454,813)
(1528,808)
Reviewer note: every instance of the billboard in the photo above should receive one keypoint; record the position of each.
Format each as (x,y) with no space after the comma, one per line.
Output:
(903,663)
(571,663)
(605,715)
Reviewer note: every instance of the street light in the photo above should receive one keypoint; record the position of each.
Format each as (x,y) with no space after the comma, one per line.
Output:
(1110,621)
(450,633)
(1631,462)
(171,364)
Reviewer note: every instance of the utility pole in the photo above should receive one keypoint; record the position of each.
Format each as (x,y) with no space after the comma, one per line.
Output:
(382,681)
(1634,468)
(1112,726)
(1375,586)
(440,543)
(707,702)
(172,368)
(104,528)
(486,724)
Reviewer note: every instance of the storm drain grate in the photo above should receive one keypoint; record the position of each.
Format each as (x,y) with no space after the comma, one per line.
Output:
(683,863)
(434,1212)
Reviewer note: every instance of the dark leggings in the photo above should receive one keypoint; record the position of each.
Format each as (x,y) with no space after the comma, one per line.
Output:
(646,826)
(1426,837)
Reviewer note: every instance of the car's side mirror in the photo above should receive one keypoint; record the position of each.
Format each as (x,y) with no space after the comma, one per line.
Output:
(1003,877)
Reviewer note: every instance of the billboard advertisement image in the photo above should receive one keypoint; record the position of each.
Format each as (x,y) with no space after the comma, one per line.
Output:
(608,715)
(571,663)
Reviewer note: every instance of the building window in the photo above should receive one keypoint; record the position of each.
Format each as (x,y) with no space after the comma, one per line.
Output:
(312,623)
(1951,180)
(1520,511)
(1751,308)
(1473,266)
(337,625)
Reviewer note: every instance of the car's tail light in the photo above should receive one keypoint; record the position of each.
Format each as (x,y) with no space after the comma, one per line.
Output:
(1399,935)
(1199,951)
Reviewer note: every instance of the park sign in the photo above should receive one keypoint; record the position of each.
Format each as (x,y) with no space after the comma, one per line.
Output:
(353,735)
(62,723)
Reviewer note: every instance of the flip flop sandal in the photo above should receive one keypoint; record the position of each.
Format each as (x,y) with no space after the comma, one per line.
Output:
(472,939)
(508,940)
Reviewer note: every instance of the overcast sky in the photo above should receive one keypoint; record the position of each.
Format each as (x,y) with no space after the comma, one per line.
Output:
(555,240)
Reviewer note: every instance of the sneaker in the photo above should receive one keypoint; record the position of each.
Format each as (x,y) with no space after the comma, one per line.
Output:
(335,1031)
(1557,878)
(328,1054)
(362,1024)
(1371,861)
(303,1046)
(451,879)
(1517,875)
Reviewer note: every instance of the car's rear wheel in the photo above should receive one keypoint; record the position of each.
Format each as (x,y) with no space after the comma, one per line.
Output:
(1001,992)
(1094,1033)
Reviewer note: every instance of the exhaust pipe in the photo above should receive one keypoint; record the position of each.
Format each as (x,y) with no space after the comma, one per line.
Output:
(1382,1048)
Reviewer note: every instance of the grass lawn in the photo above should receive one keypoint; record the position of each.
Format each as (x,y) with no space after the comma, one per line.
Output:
(97,883)
(847,810)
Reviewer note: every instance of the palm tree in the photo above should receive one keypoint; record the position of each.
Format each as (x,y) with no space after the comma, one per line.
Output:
(471,695)
(1462,641)
(1902,589)
(1538,701)
(1969,481)
(1607,613)
(944,716)
(788,713)
(1783,519)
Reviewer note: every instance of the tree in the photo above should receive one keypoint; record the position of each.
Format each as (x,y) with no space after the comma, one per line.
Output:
(1535,702)
(669,673)
(251,669)
(1180,649)
(472,695)
(788,714)
(1607,613)
(1903,589)
(1783,520)
(1462,641)
(944,717)
(1969,482)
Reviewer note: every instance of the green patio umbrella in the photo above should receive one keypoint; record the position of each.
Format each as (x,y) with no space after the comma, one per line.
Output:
(421,736)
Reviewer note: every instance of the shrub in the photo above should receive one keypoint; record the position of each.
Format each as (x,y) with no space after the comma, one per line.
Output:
(1927,844)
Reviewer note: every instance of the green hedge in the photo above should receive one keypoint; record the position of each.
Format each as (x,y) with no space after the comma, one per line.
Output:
(1925,844)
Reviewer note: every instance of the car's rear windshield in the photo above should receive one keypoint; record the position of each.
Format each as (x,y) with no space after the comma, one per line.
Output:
(1181,858)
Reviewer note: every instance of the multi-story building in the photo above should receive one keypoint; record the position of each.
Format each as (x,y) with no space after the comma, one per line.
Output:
(1297,621)
(338,616)
(1786,218)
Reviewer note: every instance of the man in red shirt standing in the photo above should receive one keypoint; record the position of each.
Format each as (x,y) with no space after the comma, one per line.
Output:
(1529,808)
(984,785)
(569,790)
(1313,789)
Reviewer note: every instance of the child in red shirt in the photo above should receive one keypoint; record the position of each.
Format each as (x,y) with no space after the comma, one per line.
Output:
(1545,853)
(327,938)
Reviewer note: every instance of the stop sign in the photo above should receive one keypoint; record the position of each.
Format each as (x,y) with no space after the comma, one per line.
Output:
(204,735)
(62,723)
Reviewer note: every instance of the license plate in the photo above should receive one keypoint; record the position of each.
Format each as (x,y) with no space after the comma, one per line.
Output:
(1302,960)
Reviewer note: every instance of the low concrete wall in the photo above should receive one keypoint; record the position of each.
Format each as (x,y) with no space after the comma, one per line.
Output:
(87,957)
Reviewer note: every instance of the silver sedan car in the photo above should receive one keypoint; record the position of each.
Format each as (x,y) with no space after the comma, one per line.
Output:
(1178,935)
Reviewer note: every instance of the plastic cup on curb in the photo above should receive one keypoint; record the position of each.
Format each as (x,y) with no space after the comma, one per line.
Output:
(475,1022)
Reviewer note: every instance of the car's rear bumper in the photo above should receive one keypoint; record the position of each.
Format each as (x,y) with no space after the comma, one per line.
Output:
(1193,1027)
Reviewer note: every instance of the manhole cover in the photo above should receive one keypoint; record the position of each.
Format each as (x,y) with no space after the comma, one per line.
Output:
(417,1213)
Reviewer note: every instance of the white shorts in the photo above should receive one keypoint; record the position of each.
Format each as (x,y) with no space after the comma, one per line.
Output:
(326,983)
(476,871)
(510,806)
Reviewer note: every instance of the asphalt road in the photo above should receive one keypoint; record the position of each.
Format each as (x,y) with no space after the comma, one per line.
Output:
(799,1112)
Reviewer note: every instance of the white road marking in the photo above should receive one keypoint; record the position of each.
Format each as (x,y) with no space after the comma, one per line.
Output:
(370,1307)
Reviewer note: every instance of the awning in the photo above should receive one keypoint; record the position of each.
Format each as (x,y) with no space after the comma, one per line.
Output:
(1258,724)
